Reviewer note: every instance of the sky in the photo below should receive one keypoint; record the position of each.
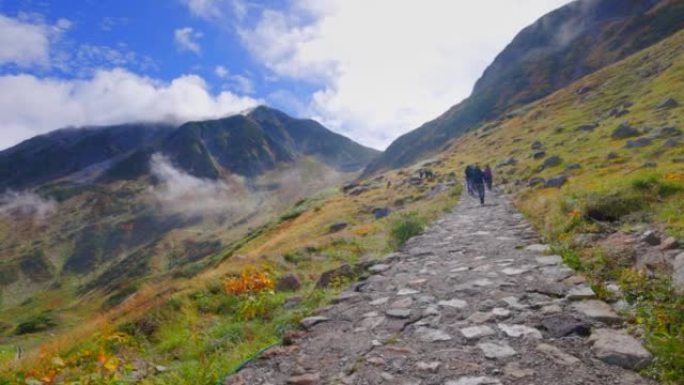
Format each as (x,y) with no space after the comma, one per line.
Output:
(368,69)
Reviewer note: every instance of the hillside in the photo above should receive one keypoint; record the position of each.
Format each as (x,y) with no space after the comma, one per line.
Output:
(559,48)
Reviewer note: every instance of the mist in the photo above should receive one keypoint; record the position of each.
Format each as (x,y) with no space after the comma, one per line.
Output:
(26,203)
(181,193)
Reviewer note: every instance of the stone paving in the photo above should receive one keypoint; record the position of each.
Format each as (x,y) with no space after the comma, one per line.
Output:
(475,300)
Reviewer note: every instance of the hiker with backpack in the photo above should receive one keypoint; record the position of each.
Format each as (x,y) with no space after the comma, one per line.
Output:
(469,180)
(478,182)
(488,177)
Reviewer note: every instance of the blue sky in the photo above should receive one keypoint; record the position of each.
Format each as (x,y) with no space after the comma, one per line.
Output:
(369,69)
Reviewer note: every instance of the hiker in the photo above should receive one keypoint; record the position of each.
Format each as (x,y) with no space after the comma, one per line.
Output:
(478,183)
(469,179)
(488,177)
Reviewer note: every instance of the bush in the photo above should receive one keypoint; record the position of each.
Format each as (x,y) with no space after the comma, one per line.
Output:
(404,227)
(36,324)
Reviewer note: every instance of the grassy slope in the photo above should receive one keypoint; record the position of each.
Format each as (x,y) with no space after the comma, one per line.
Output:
(156,326)
(626,186)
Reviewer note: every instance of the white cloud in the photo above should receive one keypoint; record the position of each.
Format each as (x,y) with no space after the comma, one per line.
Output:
(217,9)
(26,203)
(384,67)
(240,83)
(30,105)
(221,71)
(26,43)
(182,193)
(186,40)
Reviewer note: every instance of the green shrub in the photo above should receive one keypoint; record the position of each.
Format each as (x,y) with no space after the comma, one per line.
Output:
(613,205)
(36,324)
(404,227)
(655,185)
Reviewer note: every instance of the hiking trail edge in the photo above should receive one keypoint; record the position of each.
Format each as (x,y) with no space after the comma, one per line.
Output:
(472,301)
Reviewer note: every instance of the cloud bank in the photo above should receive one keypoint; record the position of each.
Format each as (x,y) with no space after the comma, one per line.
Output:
(31,105)
(184,194)
(384,67)
(26,203)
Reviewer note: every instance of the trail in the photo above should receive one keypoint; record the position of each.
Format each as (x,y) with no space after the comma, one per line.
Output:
(474,300)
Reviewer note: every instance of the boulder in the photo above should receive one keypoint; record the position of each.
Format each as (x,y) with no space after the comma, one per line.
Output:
(508,162)
(624,131)
(381,212)
(537,145)
(573,167)
(345,271)
(288,282)
(612,155)
(348,187)
(563,325)
(585,240)
(678,272)
(358,190)
(597,310)
(669,243)
(536,181)
(638,143)
(556,182)
(616,347)
(664,132)
(339,226)
(670,143)
(618,112)
(539,155)
(667,104)
(588,127)
(583,90)
(552,161)
(650,237)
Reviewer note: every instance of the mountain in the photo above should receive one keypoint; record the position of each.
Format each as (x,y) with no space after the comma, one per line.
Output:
(108,207)
(559,48)
(247,145)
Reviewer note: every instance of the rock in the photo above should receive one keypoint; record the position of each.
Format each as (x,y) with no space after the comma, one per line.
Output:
(399,313)
(346,296)
(551,309)
(381,212)
(475,332)
(557,355)
(678,272)
(539,155)
(536,145)
(667,104)
(336,227)
(348,187)
(508,162)
(517,331)
(358,191)
(378,268)
(650,237)
(583,90)
(556,182)
(432,366)
(432,335)
(616,347)
(474,381)
(494,350)
(536,181)
(343,272)
(573,167)
(407,291)
(669,243)
(585,240)
(562,325)
(670,143)
(310,322)
(638,143)
(624,131)
(581,292)
(453,303)
(612,155)
(379,301)
(549,260)
(552,161)
(288,282)
(597,310)
(513,370)
(667,131)
(501,313)
(538,248)
(304,379)
(588,127)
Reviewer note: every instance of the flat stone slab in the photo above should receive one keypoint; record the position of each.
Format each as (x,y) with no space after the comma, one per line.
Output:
(379,268)
(474,381)
(398,313)
(616,347)
(310,322)
(432,335)
(494,350)
(538,248)
(549,260)
(517,331)
(454,303)
(475,332)
(407,291)
(562,325)
(597,310)
(581,292)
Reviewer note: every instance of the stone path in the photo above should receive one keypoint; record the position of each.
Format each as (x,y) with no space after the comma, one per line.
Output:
(473,301)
